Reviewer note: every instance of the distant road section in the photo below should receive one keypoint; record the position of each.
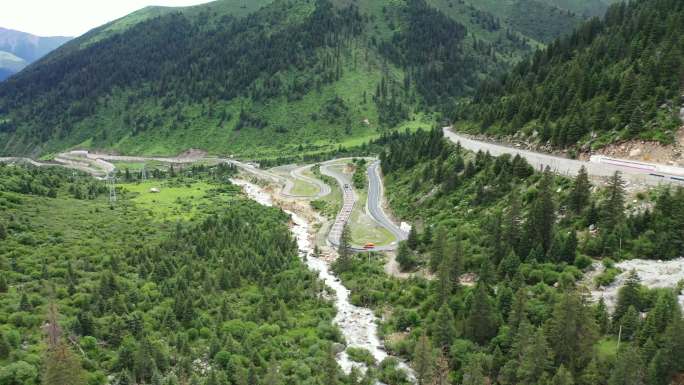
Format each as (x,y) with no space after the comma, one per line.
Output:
(599,166)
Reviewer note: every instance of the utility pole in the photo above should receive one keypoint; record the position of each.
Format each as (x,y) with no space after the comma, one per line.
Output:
(143,174)
(111,183)
(619,338)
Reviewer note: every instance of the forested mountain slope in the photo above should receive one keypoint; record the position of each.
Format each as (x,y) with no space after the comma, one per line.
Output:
(616,78)
(267,79)
(508,247)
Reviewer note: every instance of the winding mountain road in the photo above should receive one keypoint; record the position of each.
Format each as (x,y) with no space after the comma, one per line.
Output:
(373,206)
(374,203)
(296,174)
(635,172)
(100,165)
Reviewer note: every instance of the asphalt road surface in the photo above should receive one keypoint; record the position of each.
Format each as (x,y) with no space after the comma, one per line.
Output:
(323,188)
(558,164)
(374,203)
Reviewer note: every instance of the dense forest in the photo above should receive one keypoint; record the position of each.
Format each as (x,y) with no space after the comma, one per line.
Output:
(260,81)
(612,79)
(524,318)
(93,293)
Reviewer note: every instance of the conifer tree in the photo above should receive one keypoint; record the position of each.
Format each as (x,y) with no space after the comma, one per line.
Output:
(344,252)
(628,295)
(572,332)
(412,240)
(542,216)
(441,376)
(629,323)
(628,369)
(562,377)
(330,368)
(613,208)
(5,347)
(602,317)
(444,328)
(591,375)
(482,322)
(62,367)
(472,374)
(405,257)
(438,249)
(423,360)
(580,193)
(534,358)
(3,283)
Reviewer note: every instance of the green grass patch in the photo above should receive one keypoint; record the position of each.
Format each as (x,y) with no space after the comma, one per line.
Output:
(304,188)
(606,348)
(175,201)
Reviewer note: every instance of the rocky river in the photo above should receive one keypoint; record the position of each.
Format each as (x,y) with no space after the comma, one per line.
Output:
(357,324)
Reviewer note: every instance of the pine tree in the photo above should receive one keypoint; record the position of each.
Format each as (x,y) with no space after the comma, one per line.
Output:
(534,358)
(62,367)
(580,193)
(518,312)
(591,374)
(444,328)
(3,284)
(344,252)
(513,221)
(423,360)
(330,368)
(542,216)
(472,374)
(562,377)
(441,376)
(628,368)
(572,332)
(630,323)
(5,347)
(405,257)
(613,208)
(602,317)
(509,265)
(483,321)
(427,236)
(628,295)
(24,304)
(412,240)
(438,249)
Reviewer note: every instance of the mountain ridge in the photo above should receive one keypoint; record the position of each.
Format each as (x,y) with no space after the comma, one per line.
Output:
(162,80)
(26,47)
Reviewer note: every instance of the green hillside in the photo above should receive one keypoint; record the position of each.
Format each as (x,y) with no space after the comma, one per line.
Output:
(613,79)
(522,236)
(196,285)
(262,80)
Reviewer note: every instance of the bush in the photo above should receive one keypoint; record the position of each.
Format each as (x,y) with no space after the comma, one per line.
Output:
(361,355)
(582,262)
(607,277)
